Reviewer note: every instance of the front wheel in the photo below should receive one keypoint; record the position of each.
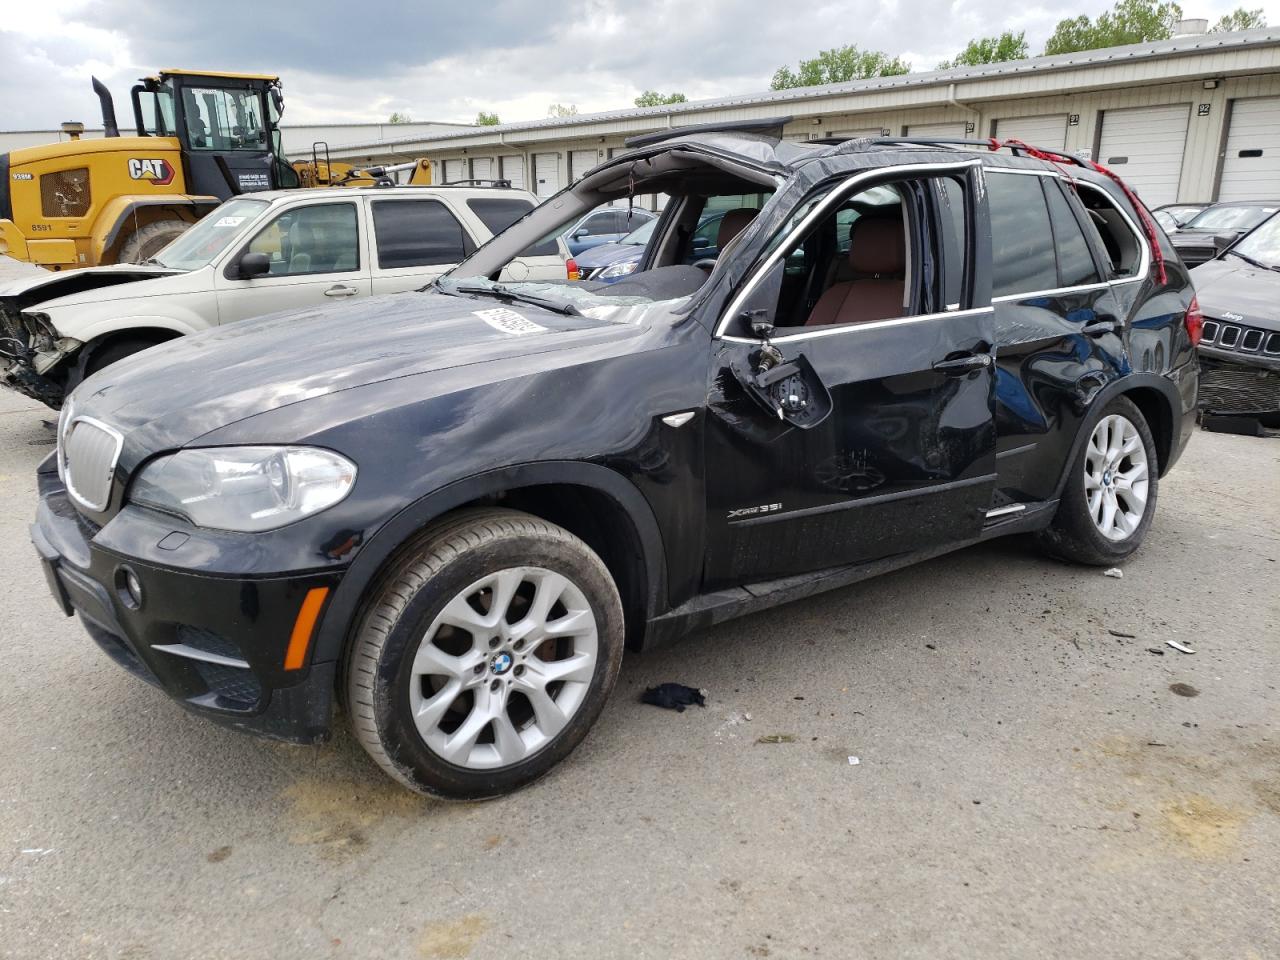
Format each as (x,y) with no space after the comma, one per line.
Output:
(485,656)
(1110,495)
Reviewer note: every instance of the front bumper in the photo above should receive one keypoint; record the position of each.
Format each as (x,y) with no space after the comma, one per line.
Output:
(215,644)
(18,375)
(1232,383)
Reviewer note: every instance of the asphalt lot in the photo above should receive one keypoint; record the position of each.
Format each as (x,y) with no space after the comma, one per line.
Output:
(1028,784)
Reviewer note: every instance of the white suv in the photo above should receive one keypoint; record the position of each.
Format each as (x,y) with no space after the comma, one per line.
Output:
(276,250)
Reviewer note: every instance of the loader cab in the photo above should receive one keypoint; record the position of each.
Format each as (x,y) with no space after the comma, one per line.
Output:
(227,125)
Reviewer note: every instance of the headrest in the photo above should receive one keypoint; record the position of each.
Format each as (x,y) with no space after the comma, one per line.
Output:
(732,224)
(877,245)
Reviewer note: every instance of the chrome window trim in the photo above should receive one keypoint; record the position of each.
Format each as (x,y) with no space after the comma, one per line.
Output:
(820,208)
(115,460)
(828,330)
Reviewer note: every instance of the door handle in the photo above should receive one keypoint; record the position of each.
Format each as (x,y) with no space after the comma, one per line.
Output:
(1098,328)
(338,290)
(959,366)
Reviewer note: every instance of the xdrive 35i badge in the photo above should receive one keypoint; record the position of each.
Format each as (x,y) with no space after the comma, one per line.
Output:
(750,511)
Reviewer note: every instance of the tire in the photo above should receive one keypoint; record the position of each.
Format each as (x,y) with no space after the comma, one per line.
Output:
(449,733)
(1079,532)
(145,242)
(116,351)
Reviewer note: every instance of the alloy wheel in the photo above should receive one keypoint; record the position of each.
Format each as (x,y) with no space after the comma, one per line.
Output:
(1116,477)
(503,668)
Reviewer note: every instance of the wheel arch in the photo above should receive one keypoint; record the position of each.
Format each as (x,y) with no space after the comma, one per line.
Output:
(596,504)
(1157,399)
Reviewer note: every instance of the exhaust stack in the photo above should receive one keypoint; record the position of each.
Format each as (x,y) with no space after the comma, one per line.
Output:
(109,126)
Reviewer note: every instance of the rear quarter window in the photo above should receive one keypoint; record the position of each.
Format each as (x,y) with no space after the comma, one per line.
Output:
(498,213)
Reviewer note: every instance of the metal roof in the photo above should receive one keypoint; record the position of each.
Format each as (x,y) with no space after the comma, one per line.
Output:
(1174,47)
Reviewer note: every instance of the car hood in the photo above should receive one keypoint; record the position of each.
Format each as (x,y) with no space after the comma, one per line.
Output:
(92,284)
(1231,289)
(608,253)
(172,394)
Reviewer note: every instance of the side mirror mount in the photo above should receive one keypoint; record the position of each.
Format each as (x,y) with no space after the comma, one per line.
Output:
(758,310)
(254,265)
(580,233)
(701,243)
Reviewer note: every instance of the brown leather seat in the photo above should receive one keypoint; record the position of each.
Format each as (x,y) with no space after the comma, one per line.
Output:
(878,256)
(731,226)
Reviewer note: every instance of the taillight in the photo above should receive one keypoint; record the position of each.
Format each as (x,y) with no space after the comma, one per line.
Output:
(571,269)
(1195,322)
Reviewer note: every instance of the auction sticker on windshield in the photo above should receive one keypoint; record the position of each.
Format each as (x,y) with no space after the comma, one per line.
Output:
(508,321)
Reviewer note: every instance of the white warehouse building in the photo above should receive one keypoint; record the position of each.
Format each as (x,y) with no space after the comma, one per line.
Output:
(1194,118)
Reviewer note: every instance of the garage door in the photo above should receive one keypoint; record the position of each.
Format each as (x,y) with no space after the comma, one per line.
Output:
(1144,145)
(481,169)
(453,171)
(1047,132)
(546,173)
(1251,166)
(856,134)
(513,170)
(580,161)
(940,131)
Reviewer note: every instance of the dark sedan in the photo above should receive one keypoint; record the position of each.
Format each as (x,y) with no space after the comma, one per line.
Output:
(1239,295)
(1217,227)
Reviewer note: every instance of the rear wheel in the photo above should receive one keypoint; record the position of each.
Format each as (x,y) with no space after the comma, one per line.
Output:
(145,242)
(485,656)
(1110,496)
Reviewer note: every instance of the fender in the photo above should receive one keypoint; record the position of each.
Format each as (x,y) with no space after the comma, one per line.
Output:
(1105,395)
(118,212)
(131,323)
(344,606)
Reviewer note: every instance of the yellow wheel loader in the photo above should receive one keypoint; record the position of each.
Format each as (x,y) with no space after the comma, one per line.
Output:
(201,138)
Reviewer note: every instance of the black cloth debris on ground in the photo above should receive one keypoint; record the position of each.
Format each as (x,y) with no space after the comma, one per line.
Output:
(673,696)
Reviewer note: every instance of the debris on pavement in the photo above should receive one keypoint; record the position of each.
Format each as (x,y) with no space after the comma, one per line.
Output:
(776,738)
(1121,633)
(673,696)
(1184,689)
(854,761)
(1156,650)
(1115,572)
(1181,648)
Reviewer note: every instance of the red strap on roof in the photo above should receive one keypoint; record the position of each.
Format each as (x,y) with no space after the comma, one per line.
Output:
(1056,158)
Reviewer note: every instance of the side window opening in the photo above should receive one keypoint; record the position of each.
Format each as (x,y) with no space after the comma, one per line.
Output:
(317,238)
(1110,232)
(418,233)
(1076,266)
(1023,255)
(888,251)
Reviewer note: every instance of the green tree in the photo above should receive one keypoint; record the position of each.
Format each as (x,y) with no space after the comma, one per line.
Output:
(487,119)
(1007,46)
(1129,21)
(1241,19)
(399,117)
(562,110)
(652,98)
(838,65)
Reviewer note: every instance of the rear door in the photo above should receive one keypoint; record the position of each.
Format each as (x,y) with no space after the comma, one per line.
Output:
(905,458)
(415,240)
(318,252)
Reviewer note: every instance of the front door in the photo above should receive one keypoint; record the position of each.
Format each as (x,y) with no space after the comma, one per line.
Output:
(317,257)
(880,297)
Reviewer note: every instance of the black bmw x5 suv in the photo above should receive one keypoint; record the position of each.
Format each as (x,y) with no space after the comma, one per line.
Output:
(452,509)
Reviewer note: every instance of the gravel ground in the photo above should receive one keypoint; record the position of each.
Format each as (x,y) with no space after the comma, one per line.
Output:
(1028,784)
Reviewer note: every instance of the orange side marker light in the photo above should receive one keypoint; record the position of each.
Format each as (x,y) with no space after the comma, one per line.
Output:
(304,627)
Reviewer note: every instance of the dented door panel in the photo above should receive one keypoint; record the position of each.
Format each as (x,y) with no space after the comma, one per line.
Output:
(905,460)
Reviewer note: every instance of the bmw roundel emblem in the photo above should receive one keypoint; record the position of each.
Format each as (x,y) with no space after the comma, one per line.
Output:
(500,663)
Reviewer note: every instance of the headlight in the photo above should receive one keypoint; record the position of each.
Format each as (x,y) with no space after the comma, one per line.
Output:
(246,489)
(616,270)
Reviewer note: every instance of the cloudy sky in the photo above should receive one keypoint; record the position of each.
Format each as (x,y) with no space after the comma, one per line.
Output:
(445,61)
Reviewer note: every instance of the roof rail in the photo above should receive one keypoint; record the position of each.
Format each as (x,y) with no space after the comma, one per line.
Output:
(1016,147)
(477,182)
(765,125)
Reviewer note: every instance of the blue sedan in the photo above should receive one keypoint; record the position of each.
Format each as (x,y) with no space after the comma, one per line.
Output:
(610,262)
(604,226)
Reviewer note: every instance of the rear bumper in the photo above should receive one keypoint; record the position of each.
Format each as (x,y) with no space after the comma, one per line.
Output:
(215,644)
